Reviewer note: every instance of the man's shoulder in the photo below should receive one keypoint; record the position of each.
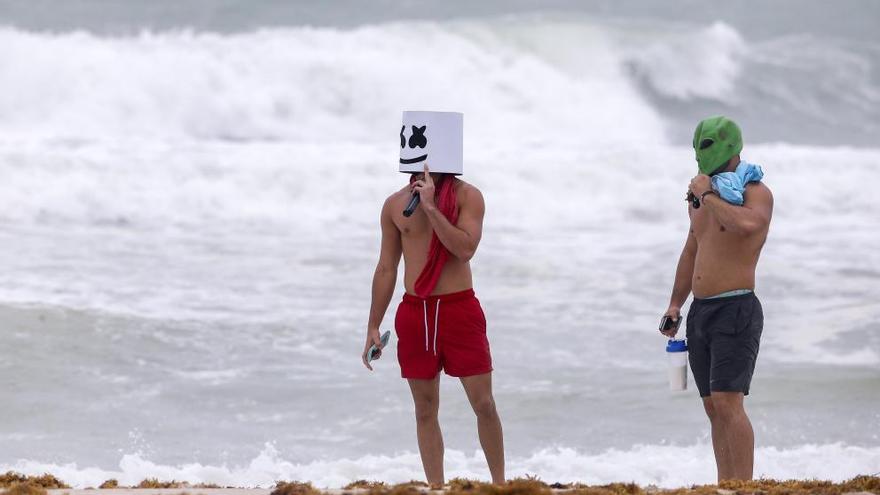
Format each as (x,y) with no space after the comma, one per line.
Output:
(759,188)
(468,192)
(758,195)
(398,196)
(395,201)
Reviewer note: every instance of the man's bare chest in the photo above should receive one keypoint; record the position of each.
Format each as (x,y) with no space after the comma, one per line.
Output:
(414,227)
(706,228)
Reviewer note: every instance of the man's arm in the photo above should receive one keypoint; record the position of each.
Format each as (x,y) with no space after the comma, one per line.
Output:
(684,275)
(463,238)
(753,216)
(384,278)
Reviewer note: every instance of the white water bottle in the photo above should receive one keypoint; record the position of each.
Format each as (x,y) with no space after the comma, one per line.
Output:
(678,358)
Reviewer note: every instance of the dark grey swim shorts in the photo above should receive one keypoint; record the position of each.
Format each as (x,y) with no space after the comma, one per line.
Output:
(723,339)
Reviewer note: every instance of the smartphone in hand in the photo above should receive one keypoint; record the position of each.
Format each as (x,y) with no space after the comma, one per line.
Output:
(371,354)
(667,323)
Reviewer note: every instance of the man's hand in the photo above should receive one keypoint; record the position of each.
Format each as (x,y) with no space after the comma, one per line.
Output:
(674,313)
(700,184)
(425,188)
(372,340)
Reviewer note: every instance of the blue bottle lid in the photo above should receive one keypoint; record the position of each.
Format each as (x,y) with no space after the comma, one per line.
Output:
(676,346)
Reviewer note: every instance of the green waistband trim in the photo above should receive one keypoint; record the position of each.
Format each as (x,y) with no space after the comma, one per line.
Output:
(731,293)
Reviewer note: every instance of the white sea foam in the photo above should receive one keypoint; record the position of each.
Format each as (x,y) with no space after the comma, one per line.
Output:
(705,63)
(308,85)
(664,466)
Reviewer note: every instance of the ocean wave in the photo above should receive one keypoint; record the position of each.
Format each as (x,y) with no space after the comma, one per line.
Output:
(662,465)
(539,80)
(312,85)
(702,63)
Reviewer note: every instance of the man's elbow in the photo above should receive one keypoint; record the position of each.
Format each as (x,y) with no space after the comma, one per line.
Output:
(466,253)
(751,226)
(385,269)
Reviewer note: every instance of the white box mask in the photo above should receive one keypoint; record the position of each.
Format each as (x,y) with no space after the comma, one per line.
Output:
(435,138)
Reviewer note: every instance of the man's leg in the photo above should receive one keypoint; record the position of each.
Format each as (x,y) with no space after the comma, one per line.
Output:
(737,429)
(479,392)
(719,441)
(426,397)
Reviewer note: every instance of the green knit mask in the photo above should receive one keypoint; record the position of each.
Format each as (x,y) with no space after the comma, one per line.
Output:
(716,141)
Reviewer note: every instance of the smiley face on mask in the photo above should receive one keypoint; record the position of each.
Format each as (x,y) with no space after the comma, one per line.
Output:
(432,138)
(416,141)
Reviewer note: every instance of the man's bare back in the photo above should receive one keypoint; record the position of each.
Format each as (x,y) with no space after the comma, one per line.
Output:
(726,257)
(415,237)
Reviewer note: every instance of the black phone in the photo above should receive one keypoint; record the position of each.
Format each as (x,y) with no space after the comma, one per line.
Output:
(667,323)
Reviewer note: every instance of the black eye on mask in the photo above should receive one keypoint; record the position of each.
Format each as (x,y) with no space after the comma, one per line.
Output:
(706,143)
(418,137)
(402,139)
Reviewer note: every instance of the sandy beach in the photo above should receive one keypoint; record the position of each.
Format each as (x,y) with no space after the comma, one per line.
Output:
(856,486)
(168,491)
(360,491)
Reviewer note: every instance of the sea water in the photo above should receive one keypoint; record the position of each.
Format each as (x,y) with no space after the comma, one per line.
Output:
(189,226)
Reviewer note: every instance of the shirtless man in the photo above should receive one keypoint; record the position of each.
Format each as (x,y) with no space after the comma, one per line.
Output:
(446,329)
(725,320)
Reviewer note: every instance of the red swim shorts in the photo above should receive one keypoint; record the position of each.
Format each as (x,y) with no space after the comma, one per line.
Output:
(445,332)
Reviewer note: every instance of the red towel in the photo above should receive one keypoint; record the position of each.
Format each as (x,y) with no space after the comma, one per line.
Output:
(446,202)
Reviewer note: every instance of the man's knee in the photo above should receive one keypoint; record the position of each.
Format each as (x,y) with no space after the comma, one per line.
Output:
(426,409)
(484,407)
(726,406)
(709,407)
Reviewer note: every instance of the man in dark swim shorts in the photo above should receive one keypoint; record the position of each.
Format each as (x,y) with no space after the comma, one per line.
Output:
(723,334)
(717,264)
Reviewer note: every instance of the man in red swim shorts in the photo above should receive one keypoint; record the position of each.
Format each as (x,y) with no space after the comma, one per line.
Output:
(440,324)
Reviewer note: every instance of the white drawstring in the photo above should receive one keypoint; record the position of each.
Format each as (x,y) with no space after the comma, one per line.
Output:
(425,308)
(436,316)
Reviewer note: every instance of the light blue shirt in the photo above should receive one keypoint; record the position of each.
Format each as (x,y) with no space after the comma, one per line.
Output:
(730,186)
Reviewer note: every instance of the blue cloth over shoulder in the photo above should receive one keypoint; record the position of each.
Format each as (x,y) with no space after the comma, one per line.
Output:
(730,186)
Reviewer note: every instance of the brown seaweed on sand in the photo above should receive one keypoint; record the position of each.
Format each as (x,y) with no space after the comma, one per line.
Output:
(518,486)
(294,488)
(18,484)
(45,481)
(24,489)
(109,484)
(155,483)
(533,486)
(364,485)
